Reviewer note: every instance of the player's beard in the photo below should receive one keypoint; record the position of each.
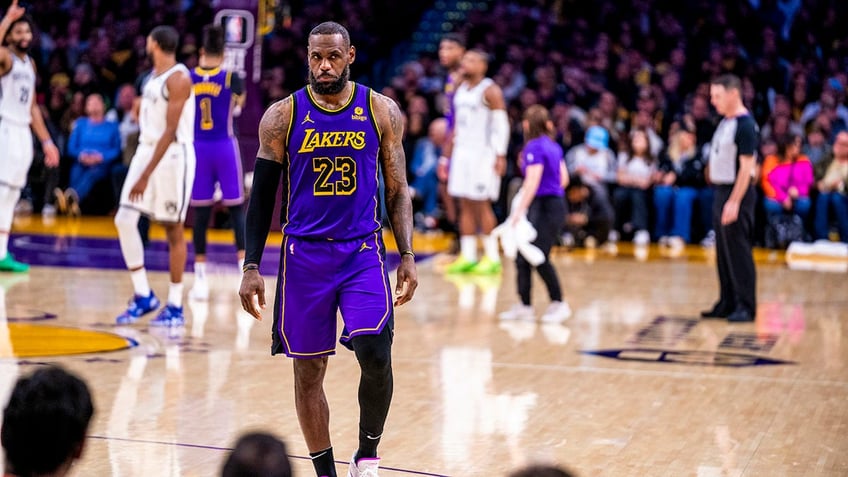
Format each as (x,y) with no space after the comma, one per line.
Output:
(21,46)
(334,87)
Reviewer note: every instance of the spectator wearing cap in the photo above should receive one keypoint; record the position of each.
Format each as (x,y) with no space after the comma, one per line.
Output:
(593,160)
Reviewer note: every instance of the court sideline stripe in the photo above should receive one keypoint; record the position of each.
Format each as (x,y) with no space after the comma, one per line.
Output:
(206,447)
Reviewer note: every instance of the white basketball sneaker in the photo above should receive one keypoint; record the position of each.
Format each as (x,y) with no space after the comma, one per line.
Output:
(519,311)
(366,467)
(200,289)
(557,312)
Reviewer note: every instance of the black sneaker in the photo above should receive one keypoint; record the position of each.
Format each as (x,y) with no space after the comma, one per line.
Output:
(740,316)
(718,311)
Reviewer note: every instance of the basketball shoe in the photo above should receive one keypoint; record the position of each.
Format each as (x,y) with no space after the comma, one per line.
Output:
(519,311)
(557,312)
(487,266)
(138,307)
(9,264)
(461,265)
(170,316)
(364,467)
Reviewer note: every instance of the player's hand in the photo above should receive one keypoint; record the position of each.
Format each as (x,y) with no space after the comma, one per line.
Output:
(51,155)
(137,191)
(252,293)
(407,280)
(730,212)
(15,11)
(500,165)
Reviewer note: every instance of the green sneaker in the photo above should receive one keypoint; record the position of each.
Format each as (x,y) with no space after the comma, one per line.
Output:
(9,264)
(487,266)
(461,265)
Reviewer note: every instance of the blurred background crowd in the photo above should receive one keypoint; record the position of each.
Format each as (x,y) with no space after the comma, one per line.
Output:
(627,83)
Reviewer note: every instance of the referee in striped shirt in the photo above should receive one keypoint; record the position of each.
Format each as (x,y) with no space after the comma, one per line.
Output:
(731,166)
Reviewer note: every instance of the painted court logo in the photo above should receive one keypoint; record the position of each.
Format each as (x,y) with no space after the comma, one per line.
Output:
(653,344)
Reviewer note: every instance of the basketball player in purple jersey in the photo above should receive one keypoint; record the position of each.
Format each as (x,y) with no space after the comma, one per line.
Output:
(217,94)
(330,141)
(451,50)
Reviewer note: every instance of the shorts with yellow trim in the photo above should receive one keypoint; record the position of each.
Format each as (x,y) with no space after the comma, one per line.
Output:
(319,279)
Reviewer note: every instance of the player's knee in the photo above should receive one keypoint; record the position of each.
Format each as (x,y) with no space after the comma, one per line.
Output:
(374,353)
(126,219)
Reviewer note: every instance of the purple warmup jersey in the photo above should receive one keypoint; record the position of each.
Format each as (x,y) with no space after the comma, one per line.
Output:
(450,91)
(331,178)
(543,150)
(213,99)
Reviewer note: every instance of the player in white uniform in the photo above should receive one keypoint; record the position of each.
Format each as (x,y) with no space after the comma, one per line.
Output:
(160,177)
(478,160)
(18,114)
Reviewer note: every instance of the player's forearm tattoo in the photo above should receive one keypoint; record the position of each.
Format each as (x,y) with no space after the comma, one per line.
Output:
(272,130)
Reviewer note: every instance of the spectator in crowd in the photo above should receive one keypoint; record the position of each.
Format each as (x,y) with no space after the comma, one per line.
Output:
(425,183)
(593,161)
(789,180)
(258,454)
(45,423)
(833,192)
(95,145)
(636,170)
(589,217)
(816,147)
(681,186)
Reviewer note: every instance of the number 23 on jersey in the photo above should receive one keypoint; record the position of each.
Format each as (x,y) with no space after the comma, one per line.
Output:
(325,167)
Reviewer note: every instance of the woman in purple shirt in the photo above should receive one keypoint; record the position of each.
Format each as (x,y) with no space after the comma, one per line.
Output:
(545,178)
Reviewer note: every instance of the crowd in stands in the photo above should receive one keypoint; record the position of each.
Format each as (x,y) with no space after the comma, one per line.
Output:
(628,87)
(626,82)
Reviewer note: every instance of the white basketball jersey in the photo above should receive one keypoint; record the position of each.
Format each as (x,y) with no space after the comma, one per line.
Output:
(154,109)
(473,117)
(17,88)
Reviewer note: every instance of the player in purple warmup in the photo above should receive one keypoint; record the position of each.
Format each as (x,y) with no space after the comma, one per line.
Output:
(218,93)
(330,141)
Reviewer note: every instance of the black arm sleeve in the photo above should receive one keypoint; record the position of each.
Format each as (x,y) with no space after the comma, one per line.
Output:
(236,83)
(263,195)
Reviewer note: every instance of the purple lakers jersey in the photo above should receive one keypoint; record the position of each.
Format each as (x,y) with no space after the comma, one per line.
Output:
(331,176)
(213,91)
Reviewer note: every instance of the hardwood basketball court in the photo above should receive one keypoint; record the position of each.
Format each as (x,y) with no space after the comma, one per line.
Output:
(634,384)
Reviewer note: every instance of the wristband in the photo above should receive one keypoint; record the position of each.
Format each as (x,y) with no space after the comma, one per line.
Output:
(249,266)
(443,160)
(408,252)
(47,142)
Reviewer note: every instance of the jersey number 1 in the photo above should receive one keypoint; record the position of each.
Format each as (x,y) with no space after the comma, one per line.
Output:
(206,114)
(325,167)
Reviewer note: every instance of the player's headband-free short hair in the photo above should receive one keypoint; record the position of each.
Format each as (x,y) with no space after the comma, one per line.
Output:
(213,40)
(454,38)
(332,28)
(166,37)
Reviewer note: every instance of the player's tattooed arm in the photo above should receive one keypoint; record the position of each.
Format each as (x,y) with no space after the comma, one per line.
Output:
(398,201)
(273,130)
(393,160)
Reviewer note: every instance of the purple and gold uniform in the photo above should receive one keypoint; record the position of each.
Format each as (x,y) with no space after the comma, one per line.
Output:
(333,256)
(218,157)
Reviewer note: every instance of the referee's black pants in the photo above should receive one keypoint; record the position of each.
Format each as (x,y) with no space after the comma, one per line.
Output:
(734,253)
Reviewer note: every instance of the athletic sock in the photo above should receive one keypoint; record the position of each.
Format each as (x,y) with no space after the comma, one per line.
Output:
(323,462)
